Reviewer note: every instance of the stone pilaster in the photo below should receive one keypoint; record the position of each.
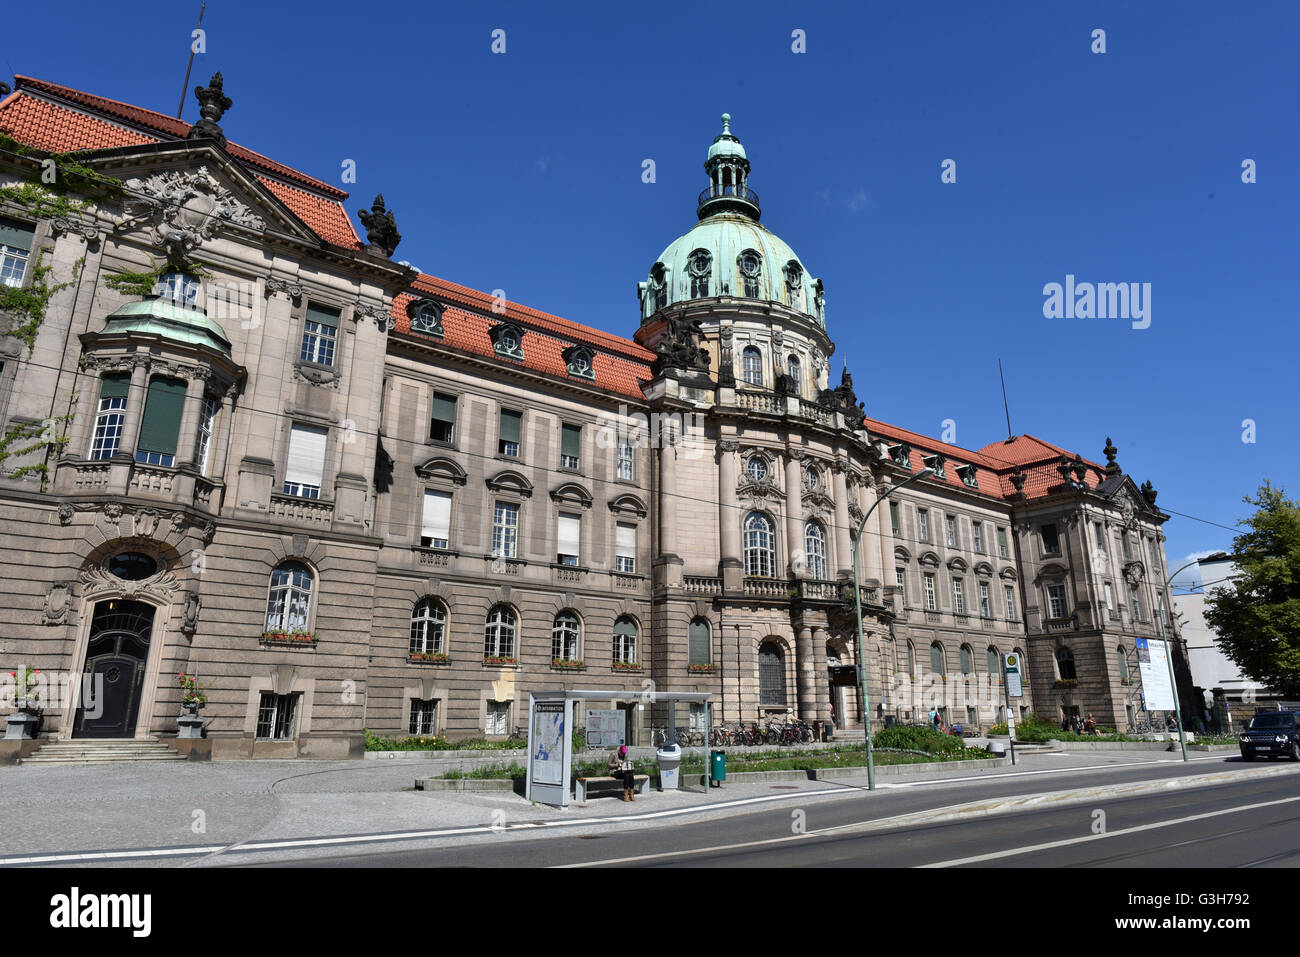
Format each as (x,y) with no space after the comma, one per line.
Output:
(729,517)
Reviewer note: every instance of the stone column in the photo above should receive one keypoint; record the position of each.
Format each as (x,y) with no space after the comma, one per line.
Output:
(189,433)
(668,501)
(820,679)
(805,657)
(869,547)
(83,421)
(134,404)
(843,544)
(221,435)
(729,517)
(794,512)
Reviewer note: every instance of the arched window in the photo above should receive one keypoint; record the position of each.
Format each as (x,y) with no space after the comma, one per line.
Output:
(428,628)
(499,633)
(911,658)
(752,365)
(795,371)
(699,642)
(1065,664)
(751,264)
(771,675)
(699,266)
(1122,661)
(625,641)
(564,637)
(994,661)
(289,605)
(658,287)
(756,468)
(967,660)
(760,546)
(426,319)
(936,659)
(814,545)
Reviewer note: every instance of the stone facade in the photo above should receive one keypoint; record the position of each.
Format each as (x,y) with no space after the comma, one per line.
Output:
(381,500)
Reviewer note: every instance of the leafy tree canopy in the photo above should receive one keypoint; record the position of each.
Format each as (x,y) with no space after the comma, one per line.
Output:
(1257,614)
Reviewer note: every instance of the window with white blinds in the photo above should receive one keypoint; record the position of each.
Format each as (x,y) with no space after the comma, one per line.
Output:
(306,464)
(435,529)
(570,538)
(625,548)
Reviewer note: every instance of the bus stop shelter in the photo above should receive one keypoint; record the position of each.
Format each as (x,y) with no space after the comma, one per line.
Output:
(550,738)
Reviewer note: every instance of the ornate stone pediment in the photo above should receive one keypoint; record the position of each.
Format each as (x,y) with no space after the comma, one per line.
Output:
(96,578)
(187,208)
(444,468)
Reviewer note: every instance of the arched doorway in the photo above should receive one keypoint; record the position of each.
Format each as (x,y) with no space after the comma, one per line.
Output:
(116,652)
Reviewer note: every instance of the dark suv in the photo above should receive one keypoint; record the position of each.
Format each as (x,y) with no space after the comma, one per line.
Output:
(1274,733)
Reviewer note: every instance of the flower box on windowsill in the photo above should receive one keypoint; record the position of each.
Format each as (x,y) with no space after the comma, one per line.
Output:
(296,638)
(1065,682)
(627,666)
(568,664)
(428,658)
(500,661)
(701,669)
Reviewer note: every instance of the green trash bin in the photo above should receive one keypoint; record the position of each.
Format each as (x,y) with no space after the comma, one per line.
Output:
(717,768)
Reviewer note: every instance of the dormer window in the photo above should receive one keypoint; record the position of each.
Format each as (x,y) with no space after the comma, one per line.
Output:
(179,288)
(969,475)
(578,359)
(794,284)
(507,340)
(936,462)
(751,265)
(426,317)
(700,266)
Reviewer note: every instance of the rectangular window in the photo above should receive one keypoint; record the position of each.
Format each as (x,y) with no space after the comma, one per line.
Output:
(15,251)
(1003,551)
(1056,601)
(625,460)
(161,426)
(570,446)
(977,535)
(505,530)
(319,334)
(305,468)
(569,536)
(1009,594)
(109,416)
(442,426)
(1110,601)
(986,603)
(958,597)
(1051,541)
(929,591)
(901,580)
(1099,535)
(950,523)
(625,549)
(498,717)
(424,716)
(1123,543)
(435,526)
(508,442)
(207,418)
(923,524)
(276,714)
(893,518)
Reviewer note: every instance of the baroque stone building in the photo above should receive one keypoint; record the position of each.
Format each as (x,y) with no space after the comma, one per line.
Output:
(245,444)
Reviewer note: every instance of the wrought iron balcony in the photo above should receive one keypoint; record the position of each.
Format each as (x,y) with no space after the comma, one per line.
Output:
(715,199)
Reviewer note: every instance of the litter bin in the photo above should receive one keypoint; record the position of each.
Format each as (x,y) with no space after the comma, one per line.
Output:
(717,768)
(670,762)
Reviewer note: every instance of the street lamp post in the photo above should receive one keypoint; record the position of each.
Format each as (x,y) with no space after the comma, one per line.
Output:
(1169,648)
(857,605)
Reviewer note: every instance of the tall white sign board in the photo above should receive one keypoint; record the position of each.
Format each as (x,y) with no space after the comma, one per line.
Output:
(1153,665)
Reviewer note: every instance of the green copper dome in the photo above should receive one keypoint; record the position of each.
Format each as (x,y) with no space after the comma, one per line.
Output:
(164,317)
(728,253)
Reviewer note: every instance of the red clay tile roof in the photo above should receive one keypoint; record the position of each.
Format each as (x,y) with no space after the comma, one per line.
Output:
(28,116)
(468,332)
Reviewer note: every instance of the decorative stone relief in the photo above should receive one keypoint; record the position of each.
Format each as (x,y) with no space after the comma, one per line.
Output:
(190,613)
(97,578)
(283,287)
(188,207)
(66,512)
(58,600)
(146,523)
(62,224)
(383,318)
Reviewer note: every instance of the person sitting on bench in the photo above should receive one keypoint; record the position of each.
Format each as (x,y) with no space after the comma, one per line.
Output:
(621,767)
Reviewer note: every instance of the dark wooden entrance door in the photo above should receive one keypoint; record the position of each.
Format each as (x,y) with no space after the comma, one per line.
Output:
(115,662)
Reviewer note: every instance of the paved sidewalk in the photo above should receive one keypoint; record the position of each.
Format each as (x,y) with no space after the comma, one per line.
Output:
(49,809)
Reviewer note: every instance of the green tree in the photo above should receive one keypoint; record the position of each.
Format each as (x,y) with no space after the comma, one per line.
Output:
(1257,614)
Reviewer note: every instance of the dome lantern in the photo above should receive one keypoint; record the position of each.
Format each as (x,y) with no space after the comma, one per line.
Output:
(728,169)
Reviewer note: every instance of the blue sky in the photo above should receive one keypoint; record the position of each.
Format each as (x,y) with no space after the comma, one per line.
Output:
(522,172)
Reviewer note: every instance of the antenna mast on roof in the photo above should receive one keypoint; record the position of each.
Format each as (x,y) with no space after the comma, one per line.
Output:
(181,109)
(1005,407)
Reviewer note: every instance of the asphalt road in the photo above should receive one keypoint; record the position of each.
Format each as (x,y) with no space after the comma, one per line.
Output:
(1247,823)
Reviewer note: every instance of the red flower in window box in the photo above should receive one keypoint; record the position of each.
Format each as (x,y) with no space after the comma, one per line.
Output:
(627,666)
(295,637)
(499,660)
(572,664)
(698,669)
(435,657)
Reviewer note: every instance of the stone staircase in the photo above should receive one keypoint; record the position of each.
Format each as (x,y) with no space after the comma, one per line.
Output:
(102,751)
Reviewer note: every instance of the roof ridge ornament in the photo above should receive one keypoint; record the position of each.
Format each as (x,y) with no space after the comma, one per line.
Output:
(213,104)
(381,228)
(726,124)
(1112,467)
